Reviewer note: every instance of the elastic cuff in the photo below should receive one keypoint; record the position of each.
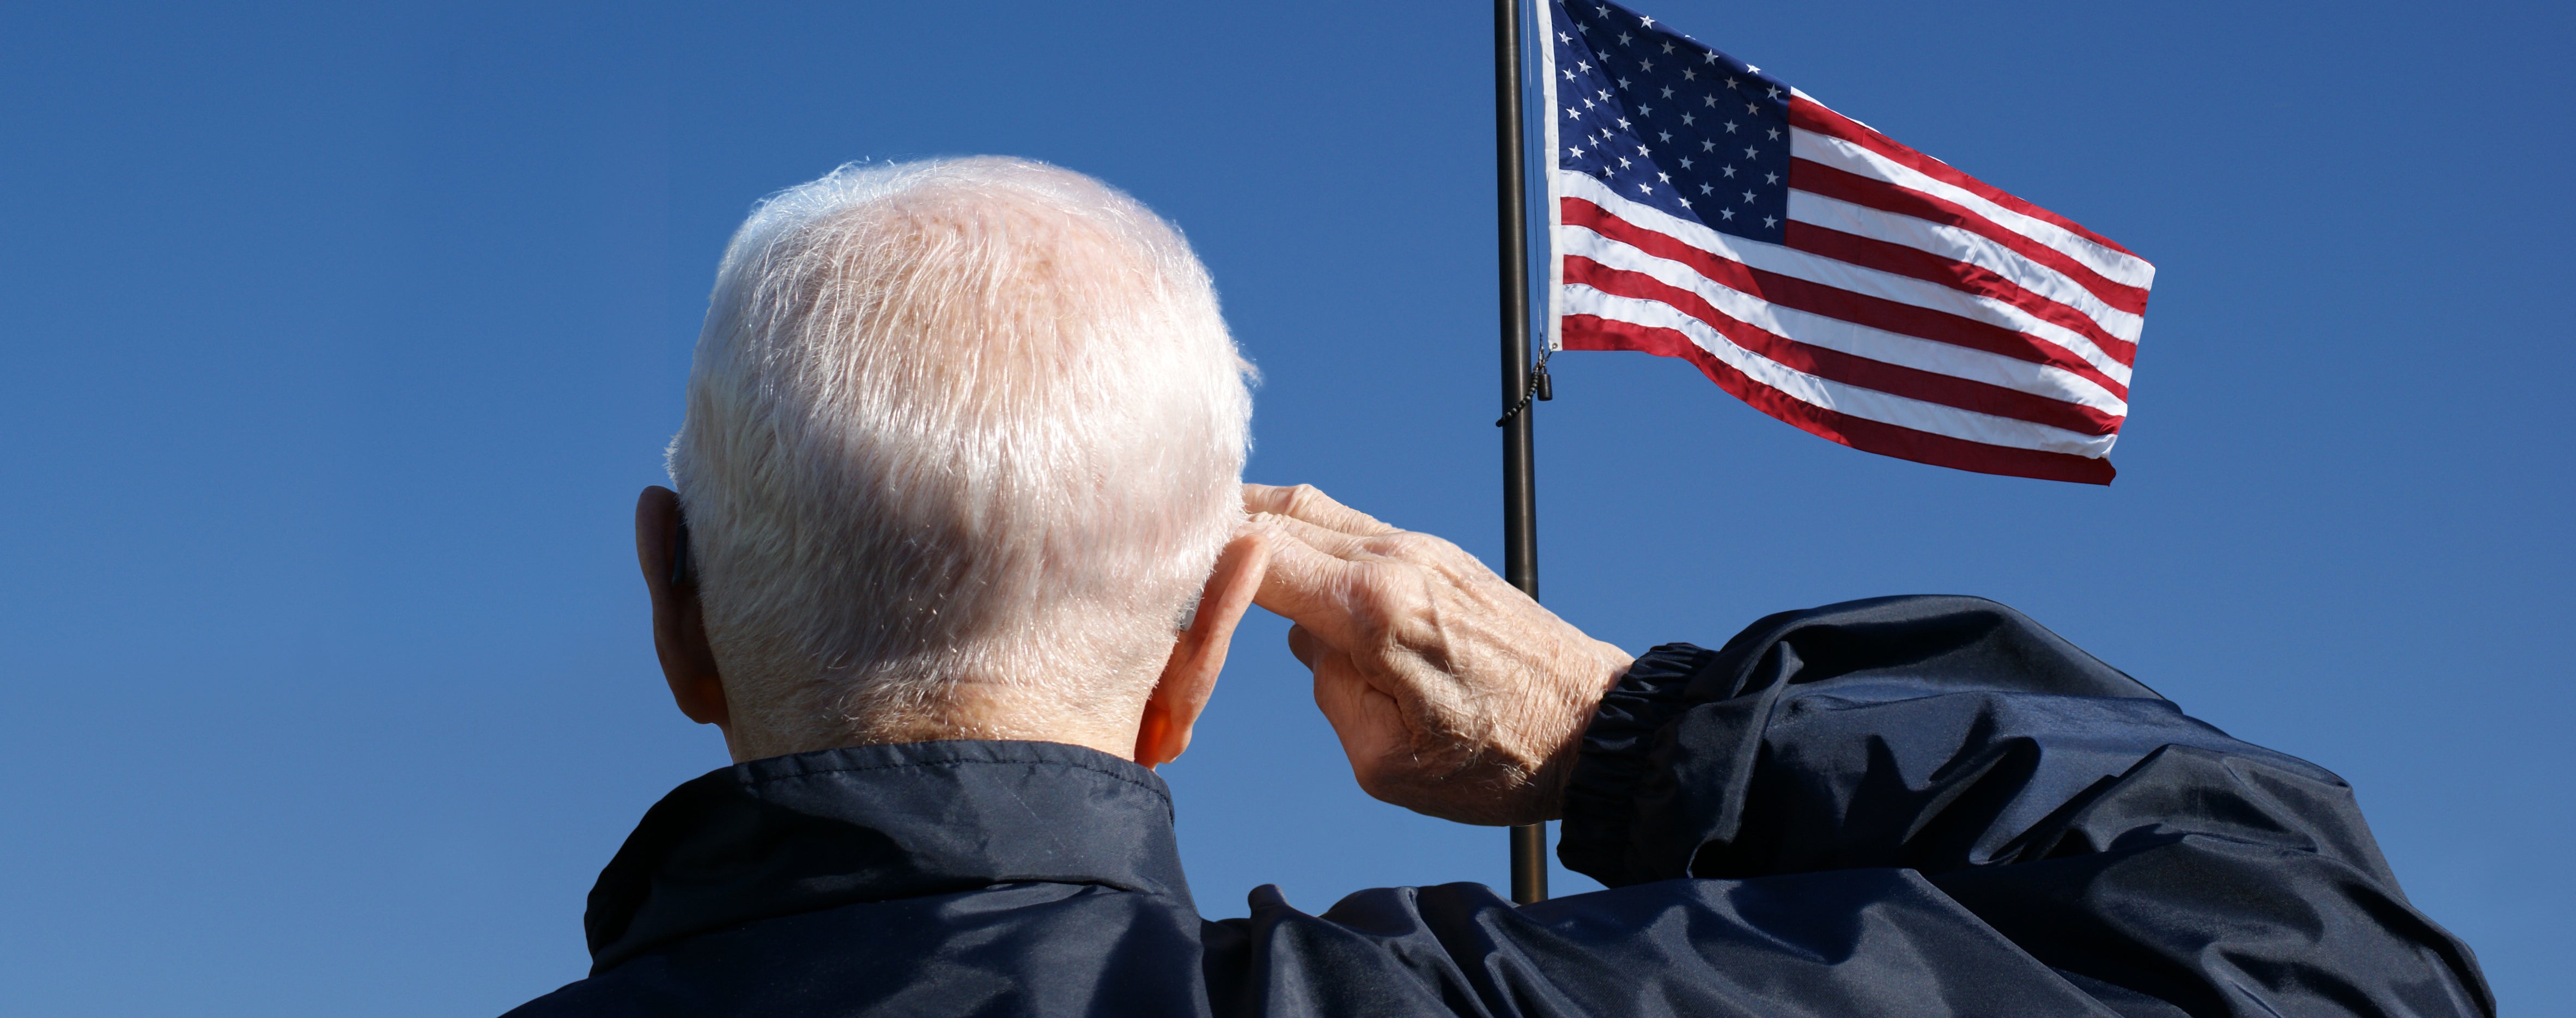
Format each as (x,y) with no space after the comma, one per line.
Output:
(1601,796)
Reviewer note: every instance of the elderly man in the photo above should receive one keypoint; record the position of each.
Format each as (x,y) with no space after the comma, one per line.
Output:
(956,553)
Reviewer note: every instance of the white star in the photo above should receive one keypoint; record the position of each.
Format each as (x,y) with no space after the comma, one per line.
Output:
(1768,222)
(1770,178)
(1564,38)
(1712,57)
(1623,164)
(1663,136)
(1748,197)
(1648,22)
(1750,108)
(1587,104)
(1668,47)
(1685,162)
(1644,189)
(1605,173)
(1707,146)
(1571,112)
(1730,127)
(1752,68)
(1728,213)
(1645,111)
(1775,91)
(1605,12)
(1569,75)
(1641,150)
(1605,94)
(1666,178)
(1708,100)
(1623,38)
(1704,189)
(1730,81)
(1623,84)
(1774,133)
(1581,66)
(1623,123)
(1687,121)
(1689,75)
(1583,28)
(1645,65)
(1685,202)
(1575,152)
(1729,171)
(1749,153)
(1668,91)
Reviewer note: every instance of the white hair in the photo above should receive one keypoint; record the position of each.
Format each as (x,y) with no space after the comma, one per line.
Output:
(953,423)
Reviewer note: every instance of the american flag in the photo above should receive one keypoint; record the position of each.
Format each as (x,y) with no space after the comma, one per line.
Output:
(1819,271)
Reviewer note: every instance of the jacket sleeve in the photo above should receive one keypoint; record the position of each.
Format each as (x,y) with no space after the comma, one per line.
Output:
(2150,860)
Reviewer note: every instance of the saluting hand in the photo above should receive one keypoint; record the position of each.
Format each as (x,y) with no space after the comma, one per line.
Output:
(1454,694)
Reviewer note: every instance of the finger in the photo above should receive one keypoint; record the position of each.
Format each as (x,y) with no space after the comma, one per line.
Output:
(1307,587)
(1395,545)
(1308,503)
(1331,542)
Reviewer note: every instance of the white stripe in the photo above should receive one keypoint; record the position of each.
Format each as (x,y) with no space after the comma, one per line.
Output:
(1835,334)
(1867,404)
(1958,245)
(1843,275)
(2125,269)
(1554,340)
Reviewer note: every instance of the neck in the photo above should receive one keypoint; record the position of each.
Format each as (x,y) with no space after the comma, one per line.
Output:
(979,712)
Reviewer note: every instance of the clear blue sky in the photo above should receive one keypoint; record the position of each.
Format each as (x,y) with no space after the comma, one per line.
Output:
(338,340)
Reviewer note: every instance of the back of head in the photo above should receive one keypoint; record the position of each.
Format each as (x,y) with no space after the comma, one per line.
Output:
(957,430)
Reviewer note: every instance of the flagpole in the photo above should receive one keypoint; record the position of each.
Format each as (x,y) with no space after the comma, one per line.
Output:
(1520,491)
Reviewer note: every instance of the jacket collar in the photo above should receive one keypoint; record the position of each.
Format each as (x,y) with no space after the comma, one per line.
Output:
(869,823)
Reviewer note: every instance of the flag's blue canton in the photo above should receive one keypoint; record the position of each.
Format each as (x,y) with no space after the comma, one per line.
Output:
(1671,123)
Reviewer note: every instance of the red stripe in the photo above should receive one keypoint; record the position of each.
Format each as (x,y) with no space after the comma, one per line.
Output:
(1814,116)
(1889,256)
(1835,302)
(1848,368)
(1587,332)
(1817,178)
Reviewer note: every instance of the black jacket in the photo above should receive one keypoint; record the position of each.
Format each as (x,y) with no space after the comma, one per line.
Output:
(1907,806)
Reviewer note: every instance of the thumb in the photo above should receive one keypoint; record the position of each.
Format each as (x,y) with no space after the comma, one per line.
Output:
(1369,723)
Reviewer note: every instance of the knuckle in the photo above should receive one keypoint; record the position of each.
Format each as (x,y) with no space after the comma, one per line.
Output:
(1408,546)
(1373,625)
(1377,607)
(1450,555)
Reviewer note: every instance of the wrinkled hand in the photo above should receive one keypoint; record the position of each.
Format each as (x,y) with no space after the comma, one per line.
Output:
(1454,693)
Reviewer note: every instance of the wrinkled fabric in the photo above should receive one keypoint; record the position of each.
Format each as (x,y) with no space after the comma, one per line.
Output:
(1918,806)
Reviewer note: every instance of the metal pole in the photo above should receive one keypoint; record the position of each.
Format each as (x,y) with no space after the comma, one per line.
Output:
(1520,492)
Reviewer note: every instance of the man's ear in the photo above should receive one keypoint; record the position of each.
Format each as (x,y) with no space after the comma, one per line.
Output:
(1189,678)
(679,626)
